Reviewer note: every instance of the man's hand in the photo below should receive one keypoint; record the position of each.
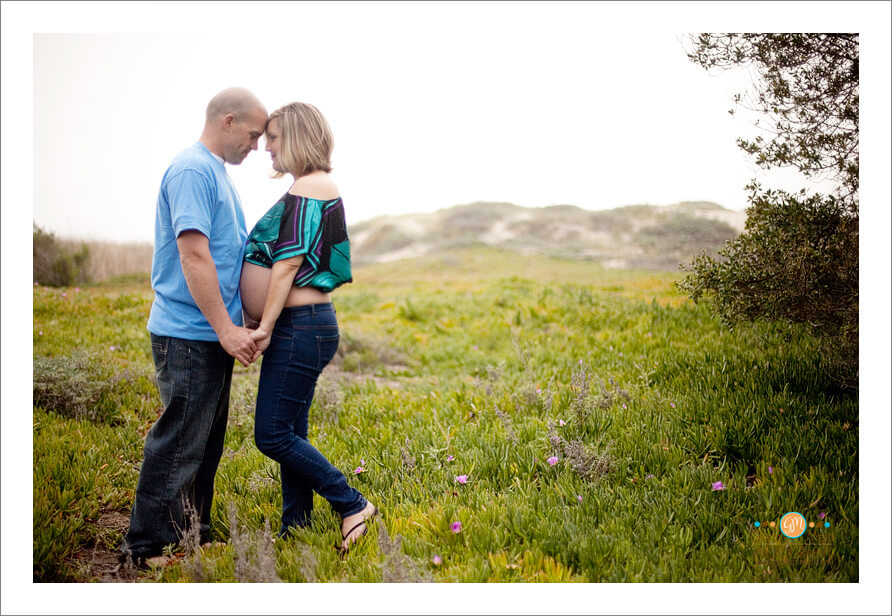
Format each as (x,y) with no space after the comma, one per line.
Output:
(201,278)
(261,339)
(238,342)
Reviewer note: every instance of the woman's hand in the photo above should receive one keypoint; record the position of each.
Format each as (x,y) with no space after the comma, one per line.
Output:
(261,339)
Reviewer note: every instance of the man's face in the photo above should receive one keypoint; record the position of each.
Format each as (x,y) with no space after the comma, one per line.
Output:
(243,135)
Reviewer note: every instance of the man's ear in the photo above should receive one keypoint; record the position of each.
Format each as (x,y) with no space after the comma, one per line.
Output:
(228,120)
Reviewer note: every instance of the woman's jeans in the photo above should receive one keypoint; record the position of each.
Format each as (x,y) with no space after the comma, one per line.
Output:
(304,340)
(183,448)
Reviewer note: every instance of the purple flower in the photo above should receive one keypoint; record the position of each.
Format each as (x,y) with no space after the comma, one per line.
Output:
(561,422)
(361,462)
(552,460)
(672,404)
(449,458)
(822,515)
(65,295)
(358,470)
(770,470)
(112,348)
(579,498)
(624,405)
(718,485)
(437,560)
(455,527)
(461,478)
(649,477)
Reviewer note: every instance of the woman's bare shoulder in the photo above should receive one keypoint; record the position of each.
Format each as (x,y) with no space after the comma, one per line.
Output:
(318,185)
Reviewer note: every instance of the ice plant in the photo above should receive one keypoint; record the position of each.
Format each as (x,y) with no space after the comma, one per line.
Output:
(358,470)
(579,498)
(672,404)
(822,515)
(461,478)
(561,422)
(718,485)
(437,560)
(456,527)
(449,458)
(552,460)
(770,470)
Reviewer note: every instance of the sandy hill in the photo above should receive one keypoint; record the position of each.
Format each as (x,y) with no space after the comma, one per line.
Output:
(639,236)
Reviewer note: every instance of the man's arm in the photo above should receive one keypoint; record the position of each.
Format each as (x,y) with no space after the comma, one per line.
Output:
(201,278)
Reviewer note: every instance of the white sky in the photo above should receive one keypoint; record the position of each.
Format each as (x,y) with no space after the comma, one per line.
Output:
(432,105)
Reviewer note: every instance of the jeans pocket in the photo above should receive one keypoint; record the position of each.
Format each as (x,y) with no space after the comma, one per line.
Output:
(326,347)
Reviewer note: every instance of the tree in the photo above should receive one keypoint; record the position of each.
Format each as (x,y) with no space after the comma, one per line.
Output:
(797,259)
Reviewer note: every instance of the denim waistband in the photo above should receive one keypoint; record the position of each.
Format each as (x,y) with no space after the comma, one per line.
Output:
(311,309)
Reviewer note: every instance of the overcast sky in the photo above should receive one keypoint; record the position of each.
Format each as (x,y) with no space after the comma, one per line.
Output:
(432,105)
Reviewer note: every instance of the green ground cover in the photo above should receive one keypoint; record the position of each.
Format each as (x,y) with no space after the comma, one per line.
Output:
(604,429)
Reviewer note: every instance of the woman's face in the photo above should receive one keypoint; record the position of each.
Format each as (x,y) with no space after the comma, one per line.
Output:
(272,143)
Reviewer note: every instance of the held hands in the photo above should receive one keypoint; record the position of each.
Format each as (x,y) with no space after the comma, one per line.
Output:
(239,342)
(261,340)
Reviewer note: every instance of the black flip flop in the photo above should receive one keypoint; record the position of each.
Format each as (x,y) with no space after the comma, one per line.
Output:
(341,547)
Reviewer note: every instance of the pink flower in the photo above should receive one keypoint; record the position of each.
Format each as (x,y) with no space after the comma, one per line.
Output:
(770,470)
(561,422)
(437,560)
(624,405)
(461,478)
(77,289)
(358,470)
(112,348)
(649,477)
(718,485)
(579,498)
(65,295)
(552,460)
(449,458)
(36,284)
(456,527)
(672,404)
(822,515)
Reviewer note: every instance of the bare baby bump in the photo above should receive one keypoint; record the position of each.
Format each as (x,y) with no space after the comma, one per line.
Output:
(253,287)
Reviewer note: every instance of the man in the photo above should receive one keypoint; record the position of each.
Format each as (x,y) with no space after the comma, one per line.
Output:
(195,326)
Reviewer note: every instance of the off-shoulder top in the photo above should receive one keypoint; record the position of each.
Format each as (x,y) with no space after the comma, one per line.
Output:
(301,226)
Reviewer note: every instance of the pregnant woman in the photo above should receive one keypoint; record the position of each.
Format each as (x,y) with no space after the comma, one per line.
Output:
(296,255)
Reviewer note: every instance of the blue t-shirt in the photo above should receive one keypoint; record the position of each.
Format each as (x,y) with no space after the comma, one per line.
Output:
(196,193)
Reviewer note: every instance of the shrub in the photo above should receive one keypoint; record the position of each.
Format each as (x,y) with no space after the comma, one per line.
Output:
(55,265)
(74,386)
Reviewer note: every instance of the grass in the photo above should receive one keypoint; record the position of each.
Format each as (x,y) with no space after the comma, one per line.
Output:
(591,410)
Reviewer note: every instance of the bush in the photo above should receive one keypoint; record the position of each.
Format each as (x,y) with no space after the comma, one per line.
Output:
(73,386)
(798,261)
(56,266)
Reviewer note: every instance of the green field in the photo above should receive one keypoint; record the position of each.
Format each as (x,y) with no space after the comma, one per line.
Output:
(610,431)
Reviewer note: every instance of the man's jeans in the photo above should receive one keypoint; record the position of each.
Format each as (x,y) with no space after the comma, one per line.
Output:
(184,446)
(304,340)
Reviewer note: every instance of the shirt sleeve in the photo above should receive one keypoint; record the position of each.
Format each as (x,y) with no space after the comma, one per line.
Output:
(190,195)
(297,227)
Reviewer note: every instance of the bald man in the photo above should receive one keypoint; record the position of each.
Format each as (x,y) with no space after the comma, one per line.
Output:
(195,326)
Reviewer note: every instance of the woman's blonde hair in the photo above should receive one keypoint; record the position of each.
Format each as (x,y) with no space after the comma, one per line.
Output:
(305,139)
